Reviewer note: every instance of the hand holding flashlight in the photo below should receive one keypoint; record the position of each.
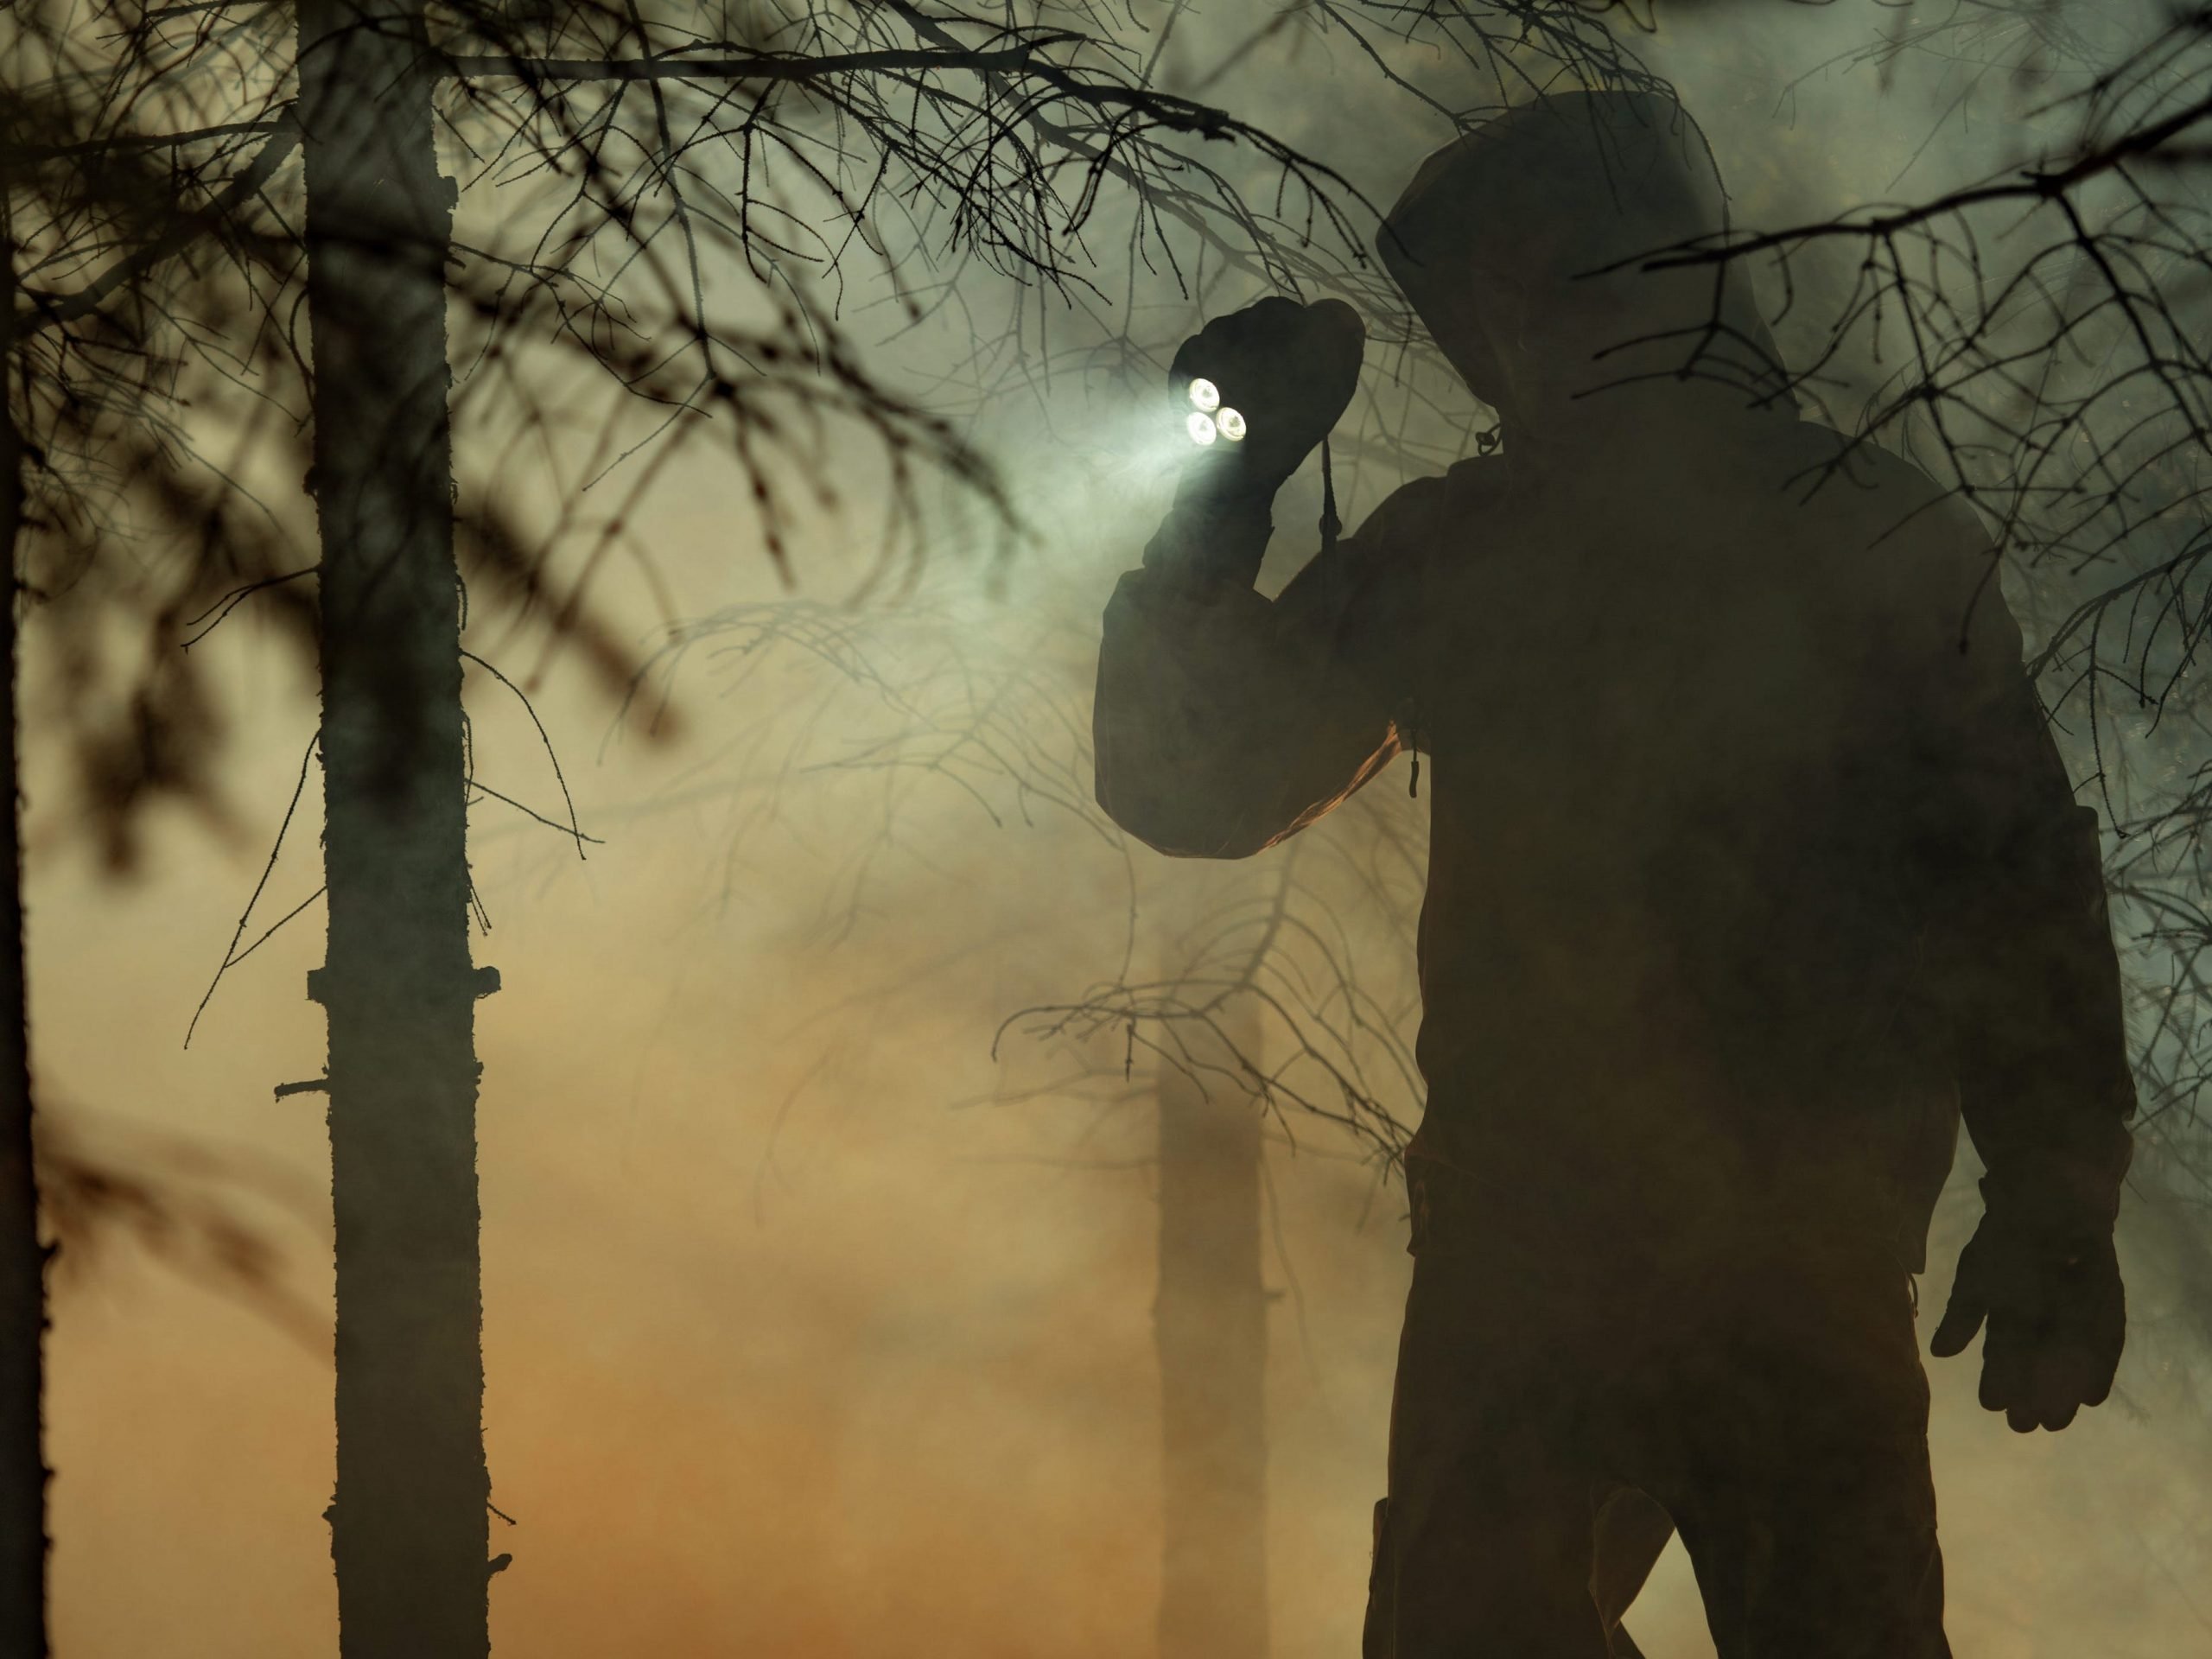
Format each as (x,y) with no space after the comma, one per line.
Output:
(1255,391)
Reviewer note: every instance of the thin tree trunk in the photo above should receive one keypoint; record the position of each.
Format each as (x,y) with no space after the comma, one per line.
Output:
(22,1258)
(408,1525)
(1210,1320)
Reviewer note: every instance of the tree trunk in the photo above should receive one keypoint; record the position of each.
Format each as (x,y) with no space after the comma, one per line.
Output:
(22,1258)
(1210,1320)
(408,1524)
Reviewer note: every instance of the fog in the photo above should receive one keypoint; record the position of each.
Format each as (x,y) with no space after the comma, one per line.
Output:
(817,1274)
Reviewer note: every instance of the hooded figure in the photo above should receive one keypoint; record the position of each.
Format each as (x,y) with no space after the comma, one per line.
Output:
(1752,864)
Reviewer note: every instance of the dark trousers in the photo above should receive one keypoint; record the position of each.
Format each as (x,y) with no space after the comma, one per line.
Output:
(1768,1395)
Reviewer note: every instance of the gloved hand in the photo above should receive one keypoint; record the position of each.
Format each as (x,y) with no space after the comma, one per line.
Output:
(1289,369)
(2057,1318)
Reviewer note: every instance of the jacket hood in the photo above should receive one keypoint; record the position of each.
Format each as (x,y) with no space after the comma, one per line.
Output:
(1496,239)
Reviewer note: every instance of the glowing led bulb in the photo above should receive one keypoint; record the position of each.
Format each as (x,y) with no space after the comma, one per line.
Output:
(1231,425)
(1200,429)
(1206,398)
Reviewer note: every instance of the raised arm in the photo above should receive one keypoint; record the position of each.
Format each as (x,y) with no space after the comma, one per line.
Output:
(1223,721)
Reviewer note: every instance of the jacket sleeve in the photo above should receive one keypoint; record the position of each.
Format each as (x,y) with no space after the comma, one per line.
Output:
(2022,943)
(1225,721)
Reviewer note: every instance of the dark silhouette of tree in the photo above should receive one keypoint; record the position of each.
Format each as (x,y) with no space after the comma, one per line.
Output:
(22,1256)
(106,180)
(1210,1322)
(408,1521)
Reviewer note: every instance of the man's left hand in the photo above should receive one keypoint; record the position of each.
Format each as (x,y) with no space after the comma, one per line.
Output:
(2057,1318)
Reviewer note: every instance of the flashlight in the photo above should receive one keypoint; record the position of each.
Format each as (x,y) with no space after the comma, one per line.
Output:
(1208,420)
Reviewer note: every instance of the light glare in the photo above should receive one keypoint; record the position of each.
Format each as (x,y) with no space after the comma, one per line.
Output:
(1231,424)
(1206,398)
(1200,429)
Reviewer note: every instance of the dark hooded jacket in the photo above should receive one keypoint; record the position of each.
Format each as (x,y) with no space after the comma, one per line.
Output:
(1751,860)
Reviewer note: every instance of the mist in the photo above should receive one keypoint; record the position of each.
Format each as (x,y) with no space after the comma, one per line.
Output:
(816,1137)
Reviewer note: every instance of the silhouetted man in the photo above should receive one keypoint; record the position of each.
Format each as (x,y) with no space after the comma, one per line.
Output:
(1752,863)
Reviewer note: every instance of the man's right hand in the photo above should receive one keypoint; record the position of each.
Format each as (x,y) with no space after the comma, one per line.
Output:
(1289,369)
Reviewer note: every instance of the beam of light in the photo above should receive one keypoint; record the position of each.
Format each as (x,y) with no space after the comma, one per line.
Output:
(1205,396)
(1201,428)
(1230,425)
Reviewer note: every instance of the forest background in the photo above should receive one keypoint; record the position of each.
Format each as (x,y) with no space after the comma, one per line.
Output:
(810,1325)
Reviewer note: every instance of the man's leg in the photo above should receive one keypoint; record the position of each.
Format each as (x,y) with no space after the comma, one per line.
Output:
(1631,1534)
(1484,1546)
(1804,1498)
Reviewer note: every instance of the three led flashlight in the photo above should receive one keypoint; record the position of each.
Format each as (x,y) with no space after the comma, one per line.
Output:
(1208,420)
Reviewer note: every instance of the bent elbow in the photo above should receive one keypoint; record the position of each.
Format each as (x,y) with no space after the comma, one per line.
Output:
(1216,733)
(1171,815)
